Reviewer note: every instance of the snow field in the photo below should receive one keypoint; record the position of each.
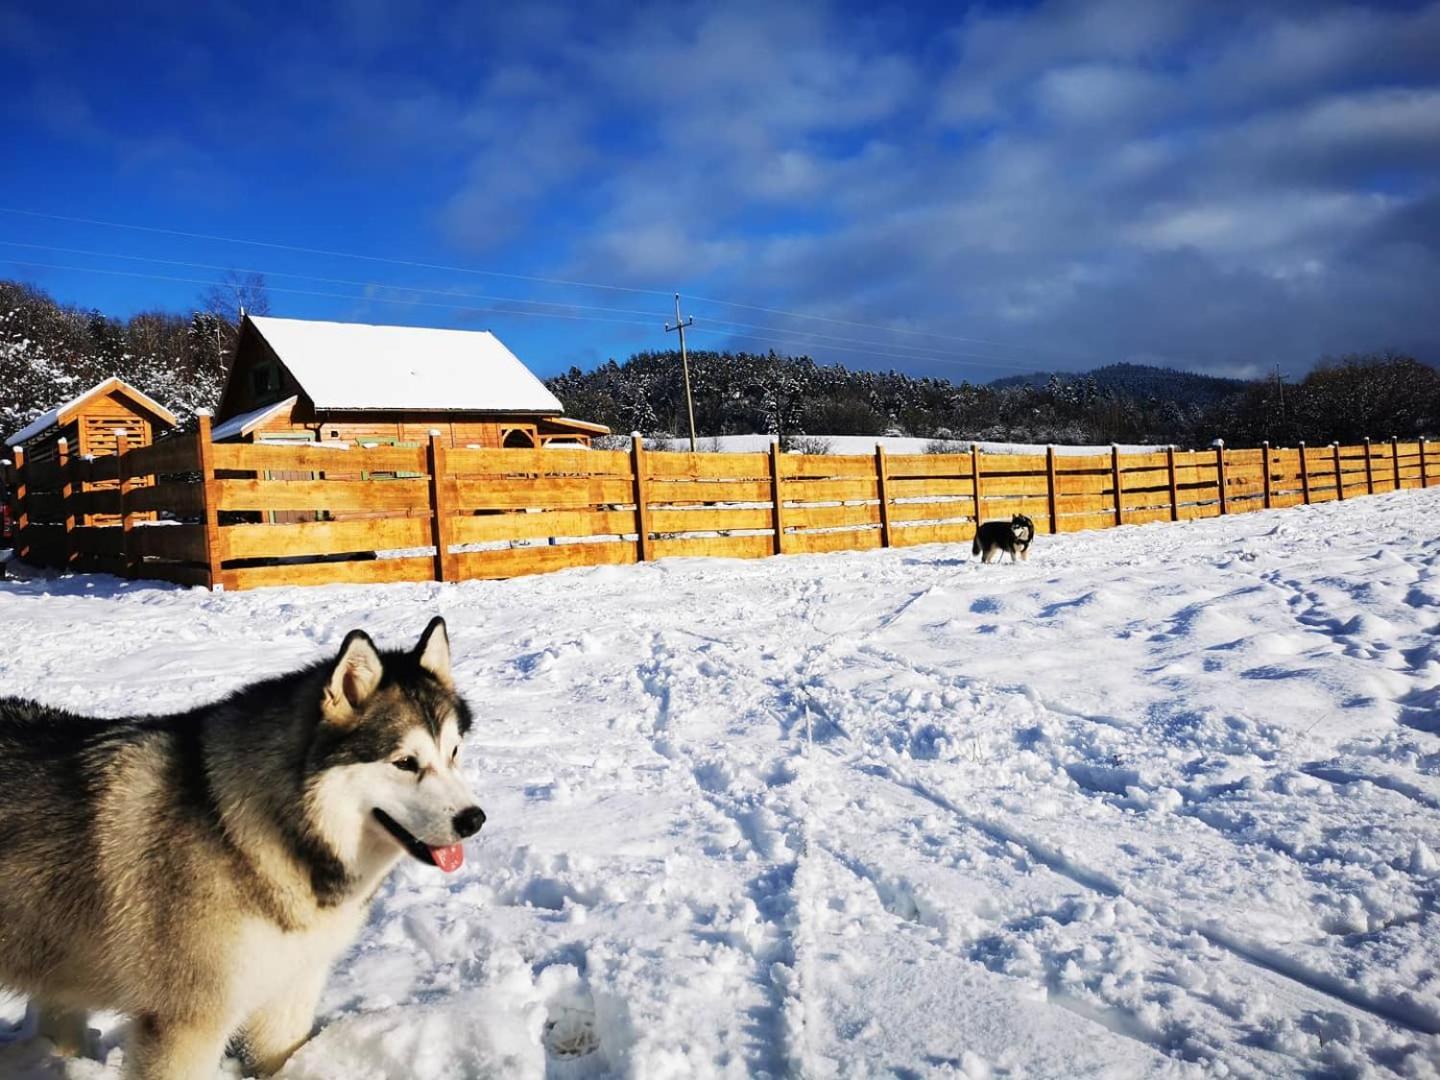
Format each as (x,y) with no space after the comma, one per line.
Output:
(1160,802)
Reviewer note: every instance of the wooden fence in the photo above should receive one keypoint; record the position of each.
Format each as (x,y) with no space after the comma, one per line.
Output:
(197,512)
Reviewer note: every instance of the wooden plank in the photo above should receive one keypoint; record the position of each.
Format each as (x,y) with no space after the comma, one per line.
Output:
(777,504)
(1073,463)
(1394,463)
(175,573)
(933,486)
(1221,481)
(181,499)
(184,543)
(823,465)
(320,537)
(356,572)
(103,501)
(1158,460)
(1148,515)
(43,475)
(514,562)
(640,466)
(319,457)
(1084,483)
(1104,519)
(749,466)
(487,528)
(209,496)
(715,547)
(933,534)
(977,483)
(1197,511)
(127,519)
(831,490)
(540,462)
(1014,465)
(99,540)
(932,510)
(1115,483)
(704,491)
(1016,484)
(830,517)
(1004,506)
(1134,501)
(1171,481)
(880,480)
(1424,464)
(342,495)
(442,511)
(1050,490)
(905,466)
(69,512)
(712,519)
(176,454)
(813,543)
(1085,504)
(45,507)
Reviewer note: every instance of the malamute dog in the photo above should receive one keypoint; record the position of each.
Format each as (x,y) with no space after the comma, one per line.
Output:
(200,872)
(1013,536)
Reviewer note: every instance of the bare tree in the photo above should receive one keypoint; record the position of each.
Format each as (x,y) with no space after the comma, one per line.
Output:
(242,290)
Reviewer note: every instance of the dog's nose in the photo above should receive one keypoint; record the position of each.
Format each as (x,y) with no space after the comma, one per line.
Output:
(468,821)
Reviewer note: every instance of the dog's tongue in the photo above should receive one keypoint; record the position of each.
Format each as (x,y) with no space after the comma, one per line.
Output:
(449,857)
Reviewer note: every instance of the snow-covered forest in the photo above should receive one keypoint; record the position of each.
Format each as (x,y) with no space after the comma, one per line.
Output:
(48,351)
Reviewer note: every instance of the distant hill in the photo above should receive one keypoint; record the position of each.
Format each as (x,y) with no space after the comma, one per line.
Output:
(1142,381)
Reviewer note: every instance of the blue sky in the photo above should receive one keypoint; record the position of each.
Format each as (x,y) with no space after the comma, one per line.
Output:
(965,191)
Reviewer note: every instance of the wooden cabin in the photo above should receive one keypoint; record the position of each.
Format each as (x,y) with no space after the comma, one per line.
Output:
(91,425)
(304,381)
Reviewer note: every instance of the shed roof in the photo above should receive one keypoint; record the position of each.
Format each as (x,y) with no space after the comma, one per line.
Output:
(63,414)
(362,367)
(247,422)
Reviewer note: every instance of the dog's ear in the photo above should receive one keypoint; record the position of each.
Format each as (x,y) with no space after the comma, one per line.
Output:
(433,651)
(353,678)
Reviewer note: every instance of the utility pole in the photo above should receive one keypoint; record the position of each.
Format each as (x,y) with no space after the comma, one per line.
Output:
(679,327)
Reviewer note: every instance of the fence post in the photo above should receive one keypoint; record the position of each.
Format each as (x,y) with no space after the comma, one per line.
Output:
(880,478)
(1050,488)
(1115,482)
(127,524)
(1369,476)
(442,513)
(209,498)
(1424,476)
(975,479)
(22,510)
(1265,465)
(1339,477)
(1304,474)
(642,496)
(67,498)
(777,512)
(1174,487)
(1220,474)
(1395,460)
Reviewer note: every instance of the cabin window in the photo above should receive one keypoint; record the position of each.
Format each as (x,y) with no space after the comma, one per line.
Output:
(264,378)
(518,439)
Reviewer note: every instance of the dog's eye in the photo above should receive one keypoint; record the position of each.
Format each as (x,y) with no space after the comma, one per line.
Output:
(407,764)
(455,754)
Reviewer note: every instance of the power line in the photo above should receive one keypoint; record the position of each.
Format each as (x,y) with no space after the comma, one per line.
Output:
(325,280)
(565,282)
(335,296)
(829,340)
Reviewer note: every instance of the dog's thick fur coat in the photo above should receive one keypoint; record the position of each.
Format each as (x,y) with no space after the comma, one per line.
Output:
(200,872)
(995,537)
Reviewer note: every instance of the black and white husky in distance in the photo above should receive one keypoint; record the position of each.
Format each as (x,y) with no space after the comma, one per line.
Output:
(996,537)
(201,872)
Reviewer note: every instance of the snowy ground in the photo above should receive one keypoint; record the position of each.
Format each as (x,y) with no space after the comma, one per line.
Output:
(1164,801)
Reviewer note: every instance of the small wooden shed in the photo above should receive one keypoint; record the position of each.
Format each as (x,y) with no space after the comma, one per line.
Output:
(91,425)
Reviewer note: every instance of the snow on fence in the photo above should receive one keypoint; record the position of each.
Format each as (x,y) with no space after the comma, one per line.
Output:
(238,516)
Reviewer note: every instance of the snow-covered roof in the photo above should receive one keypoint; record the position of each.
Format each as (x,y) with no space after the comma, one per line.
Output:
(45,421)
(247,422)
(355,366)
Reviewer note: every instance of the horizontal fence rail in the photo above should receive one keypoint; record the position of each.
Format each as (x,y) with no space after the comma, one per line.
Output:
(239,516)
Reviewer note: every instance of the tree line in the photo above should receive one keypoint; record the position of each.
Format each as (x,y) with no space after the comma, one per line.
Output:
(49,352)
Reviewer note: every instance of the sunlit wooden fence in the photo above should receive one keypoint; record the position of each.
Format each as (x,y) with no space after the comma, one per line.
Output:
(238,516)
